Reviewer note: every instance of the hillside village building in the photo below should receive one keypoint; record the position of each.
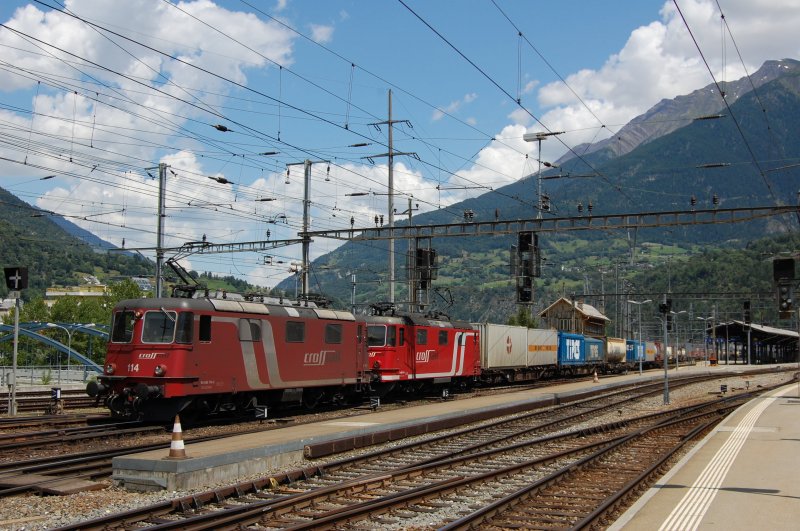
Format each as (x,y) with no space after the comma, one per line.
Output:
(574,316)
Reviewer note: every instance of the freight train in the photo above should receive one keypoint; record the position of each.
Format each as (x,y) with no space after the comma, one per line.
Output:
(205,356)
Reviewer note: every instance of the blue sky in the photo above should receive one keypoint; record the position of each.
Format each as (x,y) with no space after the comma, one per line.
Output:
(97,98)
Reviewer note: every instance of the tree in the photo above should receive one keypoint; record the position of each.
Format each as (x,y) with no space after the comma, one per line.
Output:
(117,291)
(523,318)
(93,310)
(34,310)
(65,309)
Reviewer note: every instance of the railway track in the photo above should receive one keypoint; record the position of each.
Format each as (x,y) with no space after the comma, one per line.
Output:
(306,497)
(28,401)
(414,496)
(587,494)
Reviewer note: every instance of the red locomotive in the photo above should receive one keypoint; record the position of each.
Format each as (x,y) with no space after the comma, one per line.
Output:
(413,353)
(201,356)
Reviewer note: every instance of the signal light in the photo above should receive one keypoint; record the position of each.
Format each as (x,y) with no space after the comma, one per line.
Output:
(783,269)
(785,300)
(746,307)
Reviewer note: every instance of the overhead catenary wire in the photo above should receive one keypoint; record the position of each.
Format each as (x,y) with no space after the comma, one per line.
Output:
(721,92)
(505,92)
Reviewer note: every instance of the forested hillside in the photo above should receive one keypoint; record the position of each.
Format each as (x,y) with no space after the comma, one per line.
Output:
(28,238)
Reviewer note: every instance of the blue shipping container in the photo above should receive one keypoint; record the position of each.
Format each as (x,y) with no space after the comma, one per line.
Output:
(634,351)
(571,349)
(595,350)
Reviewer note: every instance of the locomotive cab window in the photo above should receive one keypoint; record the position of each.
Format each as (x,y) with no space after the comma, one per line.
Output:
(376,335)
(122,327)
(443,337)
(205,328)
(333,333)
(295,331)
(422,337)
(185,328)
(159,327)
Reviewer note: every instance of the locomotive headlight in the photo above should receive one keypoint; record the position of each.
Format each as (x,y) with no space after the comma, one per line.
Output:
(111,368)
(160,370)
(376,365)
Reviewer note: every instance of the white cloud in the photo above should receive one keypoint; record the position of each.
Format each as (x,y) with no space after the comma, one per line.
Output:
(129,120)
(660,60)
(321,33)
(454,106)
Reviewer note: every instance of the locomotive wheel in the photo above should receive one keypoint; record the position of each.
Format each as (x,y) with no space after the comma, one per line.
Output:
(312,397)
(383,389)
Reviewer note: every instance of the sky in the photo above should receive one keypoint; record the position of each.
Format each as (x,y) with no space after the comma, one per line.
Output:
(234,94)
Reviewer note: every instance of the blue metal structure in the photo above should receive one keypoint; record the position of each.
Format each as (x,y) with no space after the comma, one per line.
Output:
(31,330)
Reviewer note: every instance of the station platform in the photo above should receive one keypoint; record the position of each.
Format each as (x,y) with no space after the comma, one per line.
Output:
(743,475)
(234,458)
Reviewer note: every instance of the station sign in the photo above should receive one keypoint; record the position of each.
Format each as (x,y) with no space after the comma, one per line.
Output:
(16,278)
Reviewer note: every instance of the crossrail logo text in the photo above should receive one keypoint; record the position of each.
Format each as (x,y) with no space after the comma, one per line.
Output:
(316,359)
(423,356)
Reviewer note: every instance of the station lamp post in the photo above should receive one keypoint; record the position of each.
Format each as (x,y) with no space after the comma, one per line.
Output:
(538,137)
(69,346)
(69,342)
(677,337)
(705,334)
(640,354)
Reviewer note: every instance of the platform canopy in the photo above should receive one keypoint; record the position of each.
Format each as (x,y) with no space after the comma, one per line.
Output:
(769,344)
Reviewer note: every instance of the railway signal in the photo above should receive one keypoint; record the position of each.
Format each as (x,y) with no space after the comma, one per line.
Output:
(528,258)
(783,274)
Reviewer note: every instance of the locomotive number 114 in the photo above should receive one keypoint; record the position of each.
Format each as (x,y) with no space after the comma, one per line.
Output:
(133,367)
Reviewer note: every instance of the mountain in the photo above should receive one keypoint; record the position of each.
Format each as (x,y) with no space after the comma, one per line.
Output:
(30,238)
(59,253)
(84,235)
(745,158)
(670,115)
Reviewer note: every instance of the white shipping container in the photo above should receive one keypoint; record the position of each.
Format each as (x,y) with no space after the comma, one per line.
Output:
(508,347)
(542,347)
(503,346)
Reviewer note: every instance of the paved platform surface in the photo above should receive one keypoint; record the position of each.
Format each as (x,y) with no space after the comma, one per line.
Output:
(744,475)
(240,456)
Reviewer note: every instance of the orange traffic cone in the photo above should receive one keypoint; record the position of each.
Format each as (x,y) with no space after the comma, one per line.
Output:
(595,379)
(176,449)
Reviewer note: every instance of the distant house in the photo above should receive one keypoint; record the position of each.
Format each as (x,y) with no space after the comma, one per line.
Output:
(85,291)
(143,283)
(574,316)
(7,307)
